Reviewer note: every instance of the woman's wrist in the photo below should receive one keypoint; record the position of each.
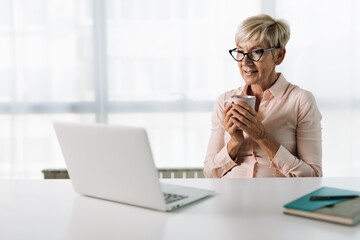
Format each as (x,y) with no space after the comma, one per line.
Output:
(269,145)
(233,147)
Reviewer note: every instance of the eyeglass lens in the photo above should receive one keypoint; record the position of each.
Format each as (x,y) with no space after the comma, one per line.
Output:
(253,55)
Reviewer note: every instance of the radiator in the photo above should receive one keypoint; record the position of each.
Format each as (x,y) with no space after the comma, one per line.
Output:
(163,173)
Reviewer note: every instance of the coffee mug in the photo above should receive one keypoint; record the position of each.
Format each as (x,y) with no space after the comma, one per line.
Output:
(250,100)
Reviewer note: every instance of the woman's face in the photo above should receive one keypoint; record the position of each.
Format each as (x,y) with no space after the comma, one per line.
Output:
(260,73)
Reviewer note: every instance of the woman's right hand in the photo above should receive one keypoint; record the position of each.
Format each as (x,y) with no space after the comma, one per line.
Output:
(237,135)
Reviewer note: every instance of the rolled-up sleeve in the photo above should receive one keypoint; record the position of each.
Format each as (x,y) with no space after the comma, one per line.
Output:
(308,160)
(217,160)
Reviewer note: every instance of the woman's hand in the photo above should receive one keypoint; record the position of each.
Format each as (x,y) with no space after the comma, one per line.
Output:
(246,118)
(237,135)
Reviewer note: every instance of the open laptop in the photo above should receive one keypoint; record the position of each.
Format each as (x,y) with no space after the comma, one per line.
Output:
(115,163)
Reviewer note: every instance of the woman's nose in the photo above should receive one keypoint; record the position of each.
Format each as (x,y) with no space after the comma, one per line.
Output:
(246,60)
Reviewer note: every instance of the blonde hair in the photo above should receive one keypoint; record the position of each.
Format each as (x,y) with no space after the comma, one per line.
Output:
(263,28)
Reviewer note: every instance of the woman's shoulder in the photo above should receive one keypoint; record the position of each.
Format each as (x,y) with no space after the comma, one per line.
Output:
(303,101)
(299,94)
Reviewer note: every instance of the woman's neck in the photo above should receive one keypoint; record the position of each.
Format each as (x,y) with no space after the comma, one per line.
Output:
(258,91)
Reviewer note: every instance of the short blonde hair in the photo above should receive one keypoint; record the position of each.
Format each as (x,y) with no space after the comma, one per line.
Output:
(263,28)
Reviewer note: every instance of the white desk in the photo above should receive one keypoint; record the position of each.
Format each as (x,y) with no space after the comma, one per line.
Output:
(243,209)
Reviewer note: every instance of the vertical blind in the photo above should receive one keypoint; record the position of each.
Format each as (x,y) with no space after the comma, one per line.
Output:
(161,64)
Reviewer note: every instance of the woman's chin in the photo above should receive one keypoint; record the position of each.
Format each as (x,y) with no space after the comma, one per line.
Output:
(250,79)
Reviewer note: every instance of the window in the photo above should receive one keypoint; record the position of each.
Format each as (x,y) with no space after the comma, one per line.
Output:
(155,64)
(323,57)
(161,64)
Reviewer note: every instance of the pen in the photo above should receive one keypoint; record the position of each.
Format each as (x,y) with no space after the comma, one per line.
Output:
(332,197)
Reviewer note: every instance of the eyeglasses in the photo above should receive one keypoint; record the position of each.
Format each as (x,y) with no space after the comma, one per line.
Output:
(254,55)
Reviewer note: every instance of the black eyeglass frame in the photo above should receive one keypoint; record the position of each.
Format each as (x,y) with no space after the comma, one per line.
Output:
(247,54)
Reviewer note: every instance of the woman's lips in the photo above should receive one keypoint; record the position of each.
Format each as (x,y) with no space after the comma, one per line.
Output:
(249,73)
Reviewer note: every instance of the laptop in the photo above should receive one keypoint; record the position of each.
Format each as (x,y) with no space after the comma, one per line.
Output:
(115,163)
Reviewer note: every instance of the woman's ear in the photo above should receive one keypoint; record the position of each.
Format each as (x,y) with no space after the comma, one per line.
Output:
(280,55)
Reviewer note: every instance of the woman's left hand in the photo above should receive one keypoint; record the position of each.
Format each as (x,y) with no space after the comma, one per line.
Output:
(247,120)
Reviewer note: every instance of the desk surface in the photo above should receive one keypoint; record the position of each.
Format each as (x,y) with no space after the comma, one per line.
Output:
(242,208)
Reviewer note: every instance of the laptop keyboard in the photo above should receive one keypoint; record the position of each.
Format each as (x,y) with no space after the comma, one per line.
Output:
(170,198)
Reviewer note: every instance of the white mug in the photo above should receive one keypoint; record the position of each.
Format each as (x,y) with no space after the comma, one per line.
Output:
(250,100)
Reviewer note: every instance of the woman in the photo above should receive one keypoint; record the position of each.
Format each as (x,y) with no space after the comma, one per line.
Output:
(281,137)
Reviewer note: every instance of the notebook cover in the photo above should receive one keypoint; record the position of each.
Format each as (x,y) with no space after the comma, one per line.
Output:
(305,204)
(347,209)
(346,212)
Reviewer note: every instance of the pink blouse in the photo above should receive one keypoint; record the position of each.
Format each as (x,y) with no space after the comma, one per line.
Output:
(291,116)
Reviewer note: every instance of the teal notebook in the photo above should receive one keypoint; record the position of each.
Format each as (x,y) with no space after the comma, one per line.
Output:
(343,210)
